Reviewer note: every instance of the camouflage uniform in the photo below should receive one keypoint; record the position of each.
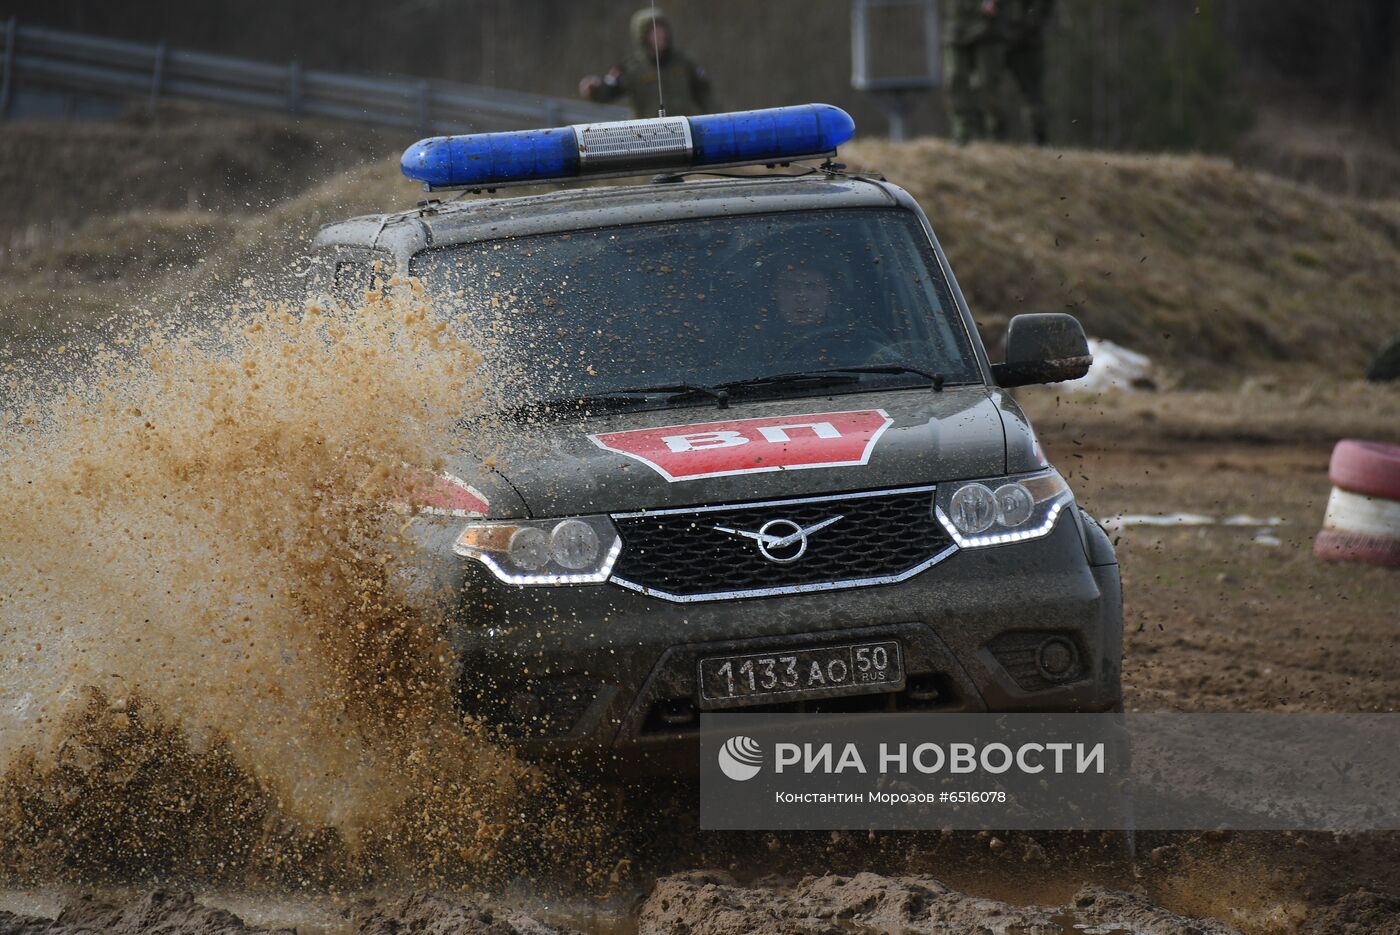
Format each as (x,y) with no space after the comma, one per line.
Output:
(1026,22)
(684,84)
(974,60)
(982,43)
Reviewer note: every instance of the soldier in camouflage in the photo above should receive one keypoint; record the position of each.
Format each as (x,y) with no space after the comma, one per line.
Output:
(974,59)
(685,88)
(1026,22)
(983,40)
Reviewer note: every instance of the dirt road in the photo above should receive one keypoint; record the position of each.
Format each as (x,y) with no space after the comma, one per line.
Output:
(1235,617)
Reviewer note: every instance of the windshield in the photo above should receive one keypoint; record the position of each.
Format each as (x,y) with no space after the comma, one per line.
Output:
(704,301)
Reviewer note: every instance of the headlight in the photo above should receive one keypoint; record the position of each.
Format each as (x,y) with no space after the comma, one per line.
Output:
(579,550)
(996,512)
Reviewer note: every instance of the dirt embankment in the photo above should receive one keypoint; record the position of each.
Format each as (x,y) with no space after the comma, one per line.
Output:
(54,175)
(104,218)
(1204,266)
(701,902)
(158,910)
(1191,260)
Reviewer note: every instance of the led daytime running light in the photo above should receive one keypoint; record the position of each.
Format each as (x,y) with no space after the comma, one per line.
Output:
(592,577)
(1003,538)
(1014,520)
(490,544)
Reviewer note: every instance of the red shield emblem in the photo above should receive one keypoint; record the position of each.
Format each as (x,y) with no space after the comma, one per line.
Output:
(441,495)
(751,446)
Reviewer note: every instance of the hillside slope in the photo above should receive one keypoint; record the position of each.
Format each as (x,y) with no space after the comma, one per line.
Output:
(54,174)
(103,217)
(1188,259)
(1207,267)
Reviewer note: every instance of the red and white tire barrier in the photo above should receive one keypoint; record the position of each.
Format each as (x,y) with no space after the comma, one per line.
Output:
(1362,523)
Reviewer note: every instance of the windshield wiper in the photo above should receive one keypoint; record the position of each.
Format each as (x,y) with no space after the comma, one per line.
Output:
(630,394)
(937,379)
(801,376)
(835,375)
(676,391)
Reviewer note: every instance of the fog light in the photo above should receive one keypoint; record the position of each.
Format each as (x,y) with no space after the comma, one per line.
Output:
(1057,659)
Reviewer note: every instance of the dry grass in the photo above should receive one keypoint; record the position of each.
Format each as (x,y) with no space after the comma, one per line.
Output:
(1187,259)
(56,174)
(95,258)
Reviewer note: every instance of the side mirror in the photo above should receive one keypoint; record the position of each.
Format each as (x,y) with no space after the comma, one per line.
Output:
(1048,347)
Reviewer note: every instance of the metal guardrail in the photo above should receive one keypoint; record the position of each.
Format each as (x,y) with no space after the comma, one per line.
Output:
(54,59)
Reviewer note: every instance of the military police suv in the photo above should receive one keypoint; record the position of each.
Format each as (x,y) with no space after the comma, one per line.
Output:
(753,455)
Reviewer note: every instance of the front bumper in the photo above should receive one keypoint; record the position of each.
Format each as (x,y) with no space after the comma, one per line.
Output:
(598,671)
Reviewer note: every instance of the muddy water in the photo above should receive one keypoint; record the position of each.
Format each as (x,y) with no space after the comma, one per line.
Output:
(208,666)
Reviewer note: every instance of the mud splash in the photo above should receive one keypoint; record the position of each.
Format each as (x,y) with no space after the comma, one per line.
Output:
(208,664)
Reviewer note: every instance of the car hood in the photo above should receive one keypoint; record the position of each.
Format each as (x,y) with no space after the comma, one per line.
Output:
(754,450)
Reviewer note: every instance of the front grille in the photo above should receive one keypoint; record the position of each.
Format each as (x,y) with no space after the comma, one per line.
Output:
(679,555)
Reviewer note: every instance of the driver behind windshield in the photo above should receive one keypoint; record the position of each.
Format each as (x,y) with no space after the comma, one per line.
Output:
(803,297)
(809,320)
(704,301)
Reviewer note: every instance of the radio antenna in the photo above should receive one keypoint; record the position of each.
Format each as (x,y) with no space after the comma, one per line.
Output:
(656,53)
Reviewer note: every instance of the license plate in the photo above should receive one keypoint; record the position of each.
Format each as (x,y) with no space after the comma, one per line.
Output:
(822,671)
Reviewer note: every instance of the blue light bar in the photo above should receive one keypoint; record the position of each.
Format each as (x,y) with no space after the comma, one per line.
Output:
(749,137)
(779,133)
(482,158)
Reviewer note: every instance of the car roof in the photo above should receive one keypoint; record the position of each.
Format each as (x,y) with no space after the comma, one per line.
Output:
(436,224)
